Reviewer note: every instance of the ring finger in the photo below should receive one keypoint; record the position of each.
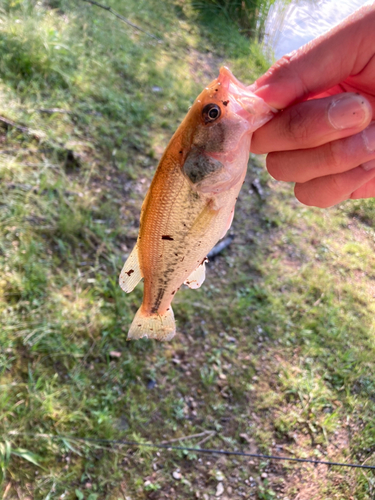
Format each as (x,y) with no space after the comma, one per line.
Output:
(327,191)
(332,158)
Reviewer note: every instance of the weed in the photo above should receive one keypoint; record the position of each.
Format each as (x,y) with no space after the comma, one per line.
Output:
(249,15)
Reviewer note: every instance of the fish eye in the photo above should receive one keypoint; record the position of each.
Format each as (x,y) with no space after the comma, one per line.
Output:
(211,112)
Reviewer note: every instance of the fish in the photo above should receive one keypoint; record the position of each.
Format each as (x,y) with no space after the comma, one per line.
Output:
(190,204)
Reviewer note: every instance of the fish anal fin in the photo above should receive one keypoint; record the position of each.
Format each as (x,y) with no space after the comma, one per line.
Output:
(131,274)
(197,277)
(153,326)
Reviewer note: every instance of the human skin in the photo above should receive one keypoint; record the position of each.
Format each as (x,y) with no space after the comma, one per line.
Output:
(323,139)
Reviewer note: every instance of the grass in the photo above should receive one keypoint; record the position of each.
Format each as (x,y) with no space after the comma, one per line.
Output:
(275,353)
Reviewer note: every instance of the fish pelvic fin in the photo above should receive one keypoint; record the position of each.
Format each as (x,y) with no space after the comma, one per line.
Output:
(131,273)
(229,223)
(197,277)
(153,326)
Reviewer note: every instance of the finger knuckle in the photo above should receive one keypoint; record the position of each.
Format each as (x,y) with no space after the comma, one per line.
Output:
(336,156)
(296,125)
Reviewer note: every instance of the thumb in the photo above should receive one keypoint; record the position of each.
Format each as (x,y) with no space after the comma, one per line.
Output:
(322,63)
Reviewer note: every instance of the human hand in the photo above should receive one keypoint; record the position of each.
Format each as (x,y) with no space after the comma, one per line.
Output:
(324,137)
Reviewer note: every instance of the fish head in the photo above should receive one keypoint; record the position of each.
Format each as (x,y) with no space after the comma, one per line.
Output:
(238,100)
(220,125)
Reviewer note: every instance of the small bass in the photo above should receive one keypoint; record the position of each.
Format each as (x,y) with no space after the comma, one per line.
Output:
(191,200)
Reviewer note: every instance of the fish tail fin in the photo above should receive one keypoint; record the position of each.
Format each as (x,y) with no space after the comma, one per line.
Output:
(153,326)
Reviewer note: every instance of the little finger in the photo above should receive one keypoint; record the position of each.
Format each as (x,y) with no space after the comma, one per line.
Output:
(327,191)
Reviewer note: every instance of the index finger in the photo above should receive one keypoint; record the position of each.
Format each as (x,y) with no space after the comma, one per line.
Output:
(322,63)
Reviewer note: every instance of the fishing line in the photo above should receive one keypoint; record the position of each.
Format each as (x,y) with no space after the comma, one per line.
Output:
(164,44)
(123,19)
(209,451)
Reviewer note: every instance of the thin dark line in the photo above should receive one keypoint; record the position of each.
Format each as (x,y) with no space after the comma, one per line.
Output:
(123,19)
(206,450)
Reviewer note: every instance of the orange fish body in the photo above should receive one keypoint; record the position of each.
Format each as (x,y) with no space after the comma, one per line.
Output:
(191,200)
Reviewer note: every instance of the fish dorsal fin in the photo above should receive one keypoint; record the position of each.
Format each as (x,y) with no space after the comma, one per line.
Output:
(131,273)
(197,277)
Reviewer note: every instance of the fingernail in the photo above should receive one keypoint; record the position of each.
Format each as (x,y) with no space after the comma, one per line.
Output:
(368,165)
(349,110)
(369,137)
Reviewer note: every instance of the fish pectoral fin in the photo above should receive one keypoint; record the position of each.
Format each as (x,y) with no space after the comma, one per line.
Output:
(203,221)
(131,273)
(197,277)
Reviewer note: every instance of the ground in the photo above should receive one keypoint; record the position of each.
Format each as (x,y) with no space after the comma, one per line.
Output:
(274,354)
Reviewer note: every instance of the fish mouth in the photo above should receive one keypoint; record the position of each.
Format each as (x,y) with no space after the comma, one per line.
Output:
(244,102)
(227,79)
